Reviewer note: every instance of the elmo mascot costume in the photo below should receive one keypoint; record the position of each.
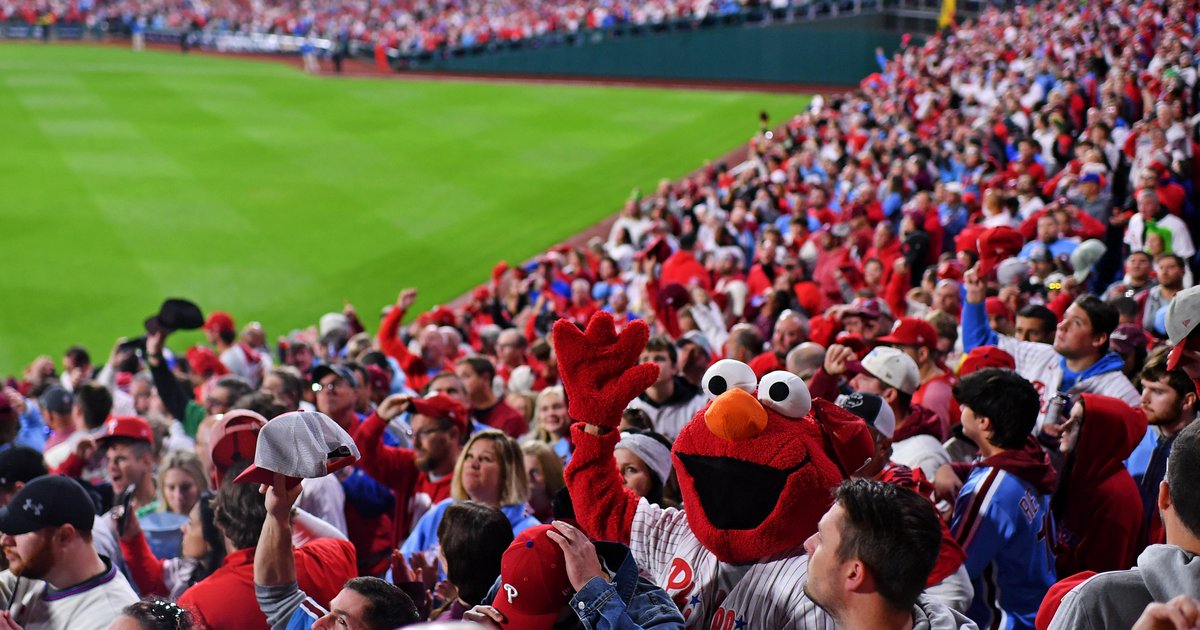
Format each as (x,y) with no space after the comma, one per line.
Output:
(756,467)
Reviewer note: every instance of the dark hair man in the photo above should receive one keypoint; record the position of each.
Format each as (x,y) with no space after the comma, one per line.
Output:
(1002,511)
(671,401)
(871,556)
(477,374)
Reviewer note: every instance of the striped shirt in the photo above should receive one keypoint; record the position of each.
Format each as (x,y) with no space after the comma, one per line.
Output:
(768,595)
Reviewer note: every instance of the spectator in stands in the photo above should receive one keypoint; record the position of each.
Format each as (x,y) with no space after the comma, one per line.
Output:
(1151,213)
(472,539)
(225,599)
(491,471)
(644,461)
(181,479)
(871,556)
(1169,400)
(55,578)
(791,330)
(1169,270)
(1035,323)
(1096,487)
(510,352)
(1002,513)
(671,401)
(917,338)
(156,614)
(1163,572)
(419,477)
(544,470)
(553,426)
(1079,361)
(1139,276)
(805,359)
(477,374)
(360,602)
(744,343)
(128,445)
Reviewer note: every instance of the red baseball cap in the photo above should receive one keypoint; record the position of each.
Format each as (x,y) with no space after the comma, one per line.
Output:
(233,438)
(997,244)
(129,427)
(997,308)
(968,239)
(534,585)
(985,357)
(219,321)
(377,378)
(442,406)
(203,360)
(911,331)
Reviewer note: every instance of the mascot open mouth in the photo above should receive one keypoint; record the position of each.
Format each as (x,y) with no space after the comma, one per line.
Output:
(734,493)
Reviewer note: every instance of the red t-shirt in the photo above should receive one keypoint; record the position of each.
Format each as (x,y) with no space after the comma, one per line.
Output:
(502,416)
(226,598)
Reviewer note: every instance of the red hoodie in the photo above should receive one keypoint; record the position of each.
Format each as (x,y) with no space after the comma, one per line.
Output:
(1097,506)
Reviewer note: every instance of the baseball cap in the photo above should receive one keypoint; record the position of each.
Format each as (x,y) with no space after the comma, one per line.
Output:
(1040,254)
(219,321)
(997,308)
(342,372)
(128,427)
(1085,255)
(1127,338)
(57,399)
(534,585)
(696,338)
(985,357)
(203,360)
(20,464)
(1183,314)
(47,501)
(332,322)
(997,244)
(893,367)
(911,331)
(299,445)
(1090,178)
(232,439)
(864,307)
(442,406)
(175,314)
(1012,271)
(872,408)
(377,378)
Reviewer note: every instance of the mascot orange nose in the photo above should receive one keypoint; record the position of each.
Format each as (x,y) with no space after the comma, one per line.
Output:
(736,415)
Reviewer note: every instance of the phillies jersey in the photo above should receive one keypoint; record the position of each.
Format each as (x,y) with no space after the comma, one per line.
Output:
(1007,531)
(767,595)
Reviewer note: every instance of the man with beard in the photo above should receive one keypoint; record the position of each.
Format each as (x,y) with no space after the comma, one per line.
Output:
(55,579)
(871,556)
(1171,270)
(1169,400)
(420,476)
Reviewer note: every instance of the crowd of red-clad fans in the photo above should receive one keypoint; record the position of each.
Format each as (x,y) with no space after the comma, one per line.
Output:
(410,26)
(985,253)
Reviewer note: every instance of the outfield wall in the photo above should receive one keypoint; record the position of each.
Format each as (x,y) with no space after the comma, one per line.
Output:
(830,51)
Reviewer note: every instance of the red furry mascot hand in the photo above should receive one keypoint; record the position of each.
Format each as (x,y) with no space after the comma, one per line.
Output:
(600,375)
(599,368)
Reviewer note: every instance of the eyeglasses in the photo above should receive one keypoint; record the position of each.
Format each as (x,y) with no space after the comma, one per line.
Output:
(424,433)
(329,387)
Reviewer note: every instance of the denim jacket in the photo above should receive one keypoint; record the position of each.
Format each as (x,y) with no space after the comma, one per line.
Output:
(628,602)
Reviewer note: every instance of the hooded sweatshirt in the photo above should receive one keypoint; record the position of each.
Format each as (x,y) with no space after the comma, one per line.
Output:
(1002,520)
(1116,599)
(930,615)
(1096,488)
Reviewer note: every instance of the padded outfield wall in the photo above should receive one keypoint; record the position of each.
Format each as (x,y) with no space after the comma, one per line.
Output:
(836,51)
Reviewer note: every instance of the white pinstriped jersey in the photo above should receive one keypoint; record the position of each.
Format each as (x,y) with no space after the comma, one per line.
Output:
(768,596)
(1039,364)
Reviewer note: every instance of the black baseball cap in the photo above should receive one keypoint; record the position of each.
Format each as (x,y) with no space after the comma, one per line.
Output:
(341,371)
(57,399)
(48,501)
(20,464)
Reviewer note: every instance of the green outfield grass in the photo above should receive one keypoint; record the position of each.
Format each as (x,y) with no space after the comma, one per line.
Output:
(248,186)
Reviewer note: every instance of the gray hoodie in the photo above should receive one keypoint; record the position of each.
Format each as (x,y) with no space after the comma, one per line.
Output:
(1116,599)
(928,614)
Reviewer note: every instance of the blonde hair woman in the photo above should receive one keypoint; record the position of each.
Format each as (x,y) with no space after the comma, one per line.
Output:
(181,479)
(490,470)
(553,425)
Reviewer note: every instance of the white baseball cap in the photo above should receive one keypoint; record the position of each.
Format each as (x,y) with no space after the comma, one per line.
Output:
(872,408)
(894,368)
(1183,314)
(299,445)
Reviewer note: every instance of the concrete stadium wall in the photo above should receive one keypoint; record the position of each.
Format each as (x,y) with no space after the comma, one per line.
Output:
(829,51)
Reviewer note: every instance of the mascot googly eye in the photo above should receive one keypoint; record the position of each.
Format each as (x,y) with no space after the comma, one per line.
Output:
(786,394)
(728,374)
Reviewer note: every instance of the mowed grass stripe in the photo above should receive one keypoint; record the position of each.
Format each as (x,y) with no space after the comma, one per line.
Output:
(253,188)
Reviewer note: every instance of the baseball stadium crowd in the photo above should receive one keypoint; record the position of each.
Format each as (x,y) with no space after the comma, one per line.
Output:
(410,26)
(927,358)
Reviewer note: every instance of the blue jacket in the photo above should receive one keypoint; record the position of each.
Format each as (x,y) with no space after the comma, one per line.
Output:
(424,536)
(628,602)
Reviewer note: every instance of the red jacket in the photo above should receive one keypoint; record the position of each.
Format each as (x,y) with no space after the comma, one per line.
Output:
(502,416)
(1097,506)
(416,373)
(683,268)
(226,599)
(396,468)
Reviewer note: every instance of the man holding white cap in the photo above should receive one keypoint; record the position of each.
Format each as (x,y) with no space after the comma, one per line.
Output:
(892,375)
